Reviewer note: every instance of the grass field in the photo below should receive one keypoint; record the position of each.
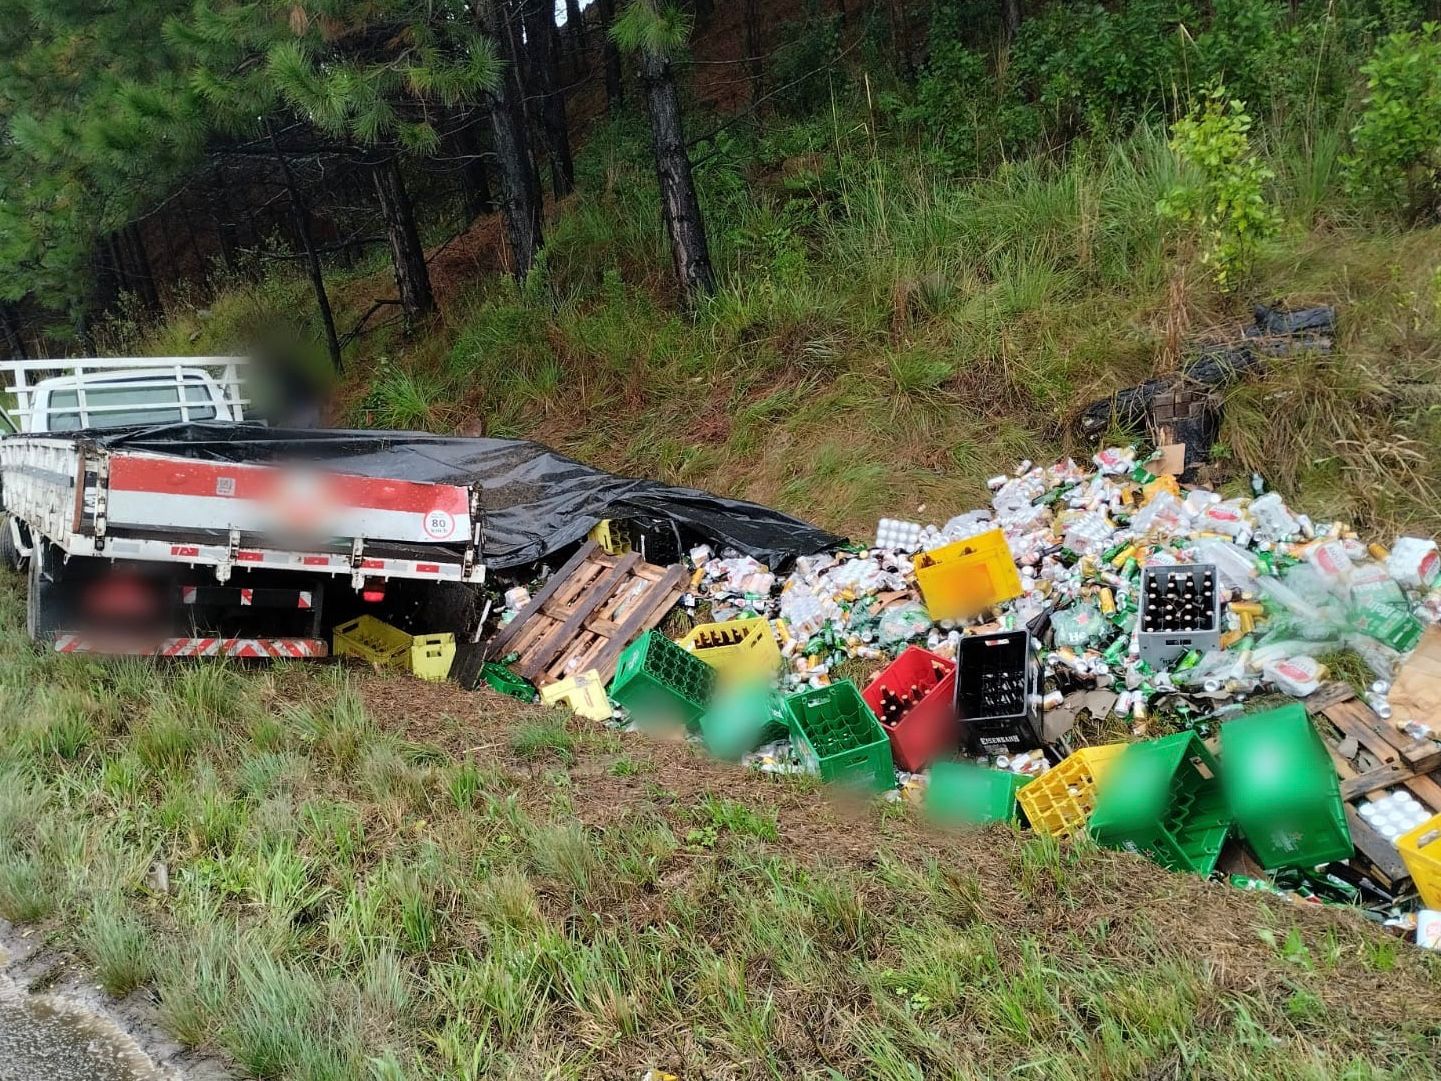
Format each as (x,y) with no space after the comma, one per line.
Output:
(372,877)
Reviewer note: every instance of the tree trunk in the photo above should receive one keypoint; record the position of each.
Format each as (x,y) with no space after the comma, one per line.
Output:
(704,9)
(356,192)
(679,205)
(614,88)
(202,269)
(224,227)
(407,254)
(520,203)
(142,277)
(575,30)
(301,215)
(901,37)
(1010,19)
(544,84)
(11,332)
(474,176)
(755,63)
(118,277)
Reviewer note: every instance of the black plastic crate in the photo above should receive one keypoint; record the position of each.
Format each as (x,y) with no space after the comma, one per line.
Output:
(1180,611)
(659,544)
(998,693)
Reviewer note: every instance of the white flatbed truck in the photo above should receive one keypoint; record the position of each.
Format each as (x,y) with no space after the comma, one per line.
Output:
(137,551)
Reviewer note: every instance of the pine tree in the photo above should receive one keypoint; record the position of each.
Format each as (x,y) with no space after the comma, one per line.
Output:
(657,34)
(614,88)
(369,81)
(1010,19)
(520,192)
(94,120)
(575,31)
(538,18)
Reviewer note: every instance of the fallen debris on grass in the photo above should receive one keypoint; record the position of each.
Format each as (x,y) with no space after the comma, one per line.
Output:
(1096,626)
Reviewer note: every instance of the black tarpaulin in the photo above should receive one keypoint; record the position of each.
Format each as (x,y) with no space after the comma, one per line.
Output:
(535,500)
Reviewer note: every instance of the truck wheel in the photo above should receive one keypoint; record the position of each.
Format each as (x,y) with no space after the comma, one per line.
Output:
(10,556)
(41,614)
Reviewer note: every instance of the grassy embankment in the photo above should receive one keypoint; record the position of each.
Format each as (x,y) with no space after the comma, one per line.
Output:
(367,872)
(374,877)
(887,337)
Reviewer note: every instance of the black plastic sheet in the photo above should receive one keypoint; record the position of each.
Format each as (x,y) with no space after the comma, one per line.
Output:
(535,500)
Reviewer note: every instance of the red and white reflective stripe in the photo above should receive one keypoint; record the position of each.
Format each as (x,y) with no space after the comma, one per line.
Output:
(247,597)
(305,600)
(269,559)
(150,491)
(165,475)
(273,648)
(187,594)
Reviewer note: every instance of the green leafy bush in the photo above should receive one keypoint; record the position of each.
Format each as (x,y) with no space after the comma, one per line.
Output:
(1088,66)
(1397,163)
(969,117)
(1226,202)
(1094,68)
(1252,47)
(804,63)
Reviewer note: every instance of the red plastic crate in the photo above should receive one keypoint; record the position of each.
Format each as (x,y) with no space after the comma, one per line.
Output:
(926,730)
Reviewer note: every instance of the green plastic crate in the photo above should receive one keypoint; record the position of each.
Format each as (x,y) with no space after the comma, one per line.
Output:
(837,735)
(656,679)
(1282,789)
(500,678)
(962,794)
(741,718)
(1164,799)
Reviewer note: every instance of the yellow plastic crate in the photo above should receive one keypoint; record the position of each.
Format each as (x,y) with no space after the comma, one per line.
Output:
(1060,801)
(967,577)
(613,537)
(428,656)
(740,648)
(583,693)
(373,641)
(431,656)
(1421,851)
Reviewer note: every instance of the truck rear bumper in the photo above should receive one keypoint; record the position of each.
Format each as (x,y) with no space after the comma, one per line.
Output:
(260,648)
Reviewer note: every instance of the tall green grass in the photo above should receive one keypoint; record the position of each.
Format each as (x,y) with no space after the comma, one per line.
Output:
(887,335)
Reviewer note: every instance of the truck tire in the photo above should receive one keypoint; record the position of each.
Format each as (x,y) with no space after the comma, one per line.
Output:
(42,616)
(10,556)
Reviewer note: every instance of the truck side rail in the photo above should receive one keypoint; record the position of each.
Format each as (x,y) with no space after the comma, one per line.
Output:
(91,502)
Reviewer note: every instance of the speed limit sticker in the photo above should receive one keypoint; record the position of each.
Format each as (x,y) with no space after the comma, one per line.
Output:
(439,525)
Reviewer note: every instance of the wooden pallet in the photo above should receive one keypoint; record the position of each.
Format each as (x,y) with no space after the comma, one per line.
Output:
(1390,757)
(585,616)
(1370,755)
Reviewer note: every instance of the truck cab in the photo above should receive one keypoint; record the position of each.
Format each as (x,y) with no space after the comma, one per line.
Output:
(106,400)
(130,396)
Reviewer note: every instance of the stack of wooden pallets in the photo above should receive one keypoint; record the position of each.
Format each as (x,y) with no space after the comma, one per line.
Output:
(586,614)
